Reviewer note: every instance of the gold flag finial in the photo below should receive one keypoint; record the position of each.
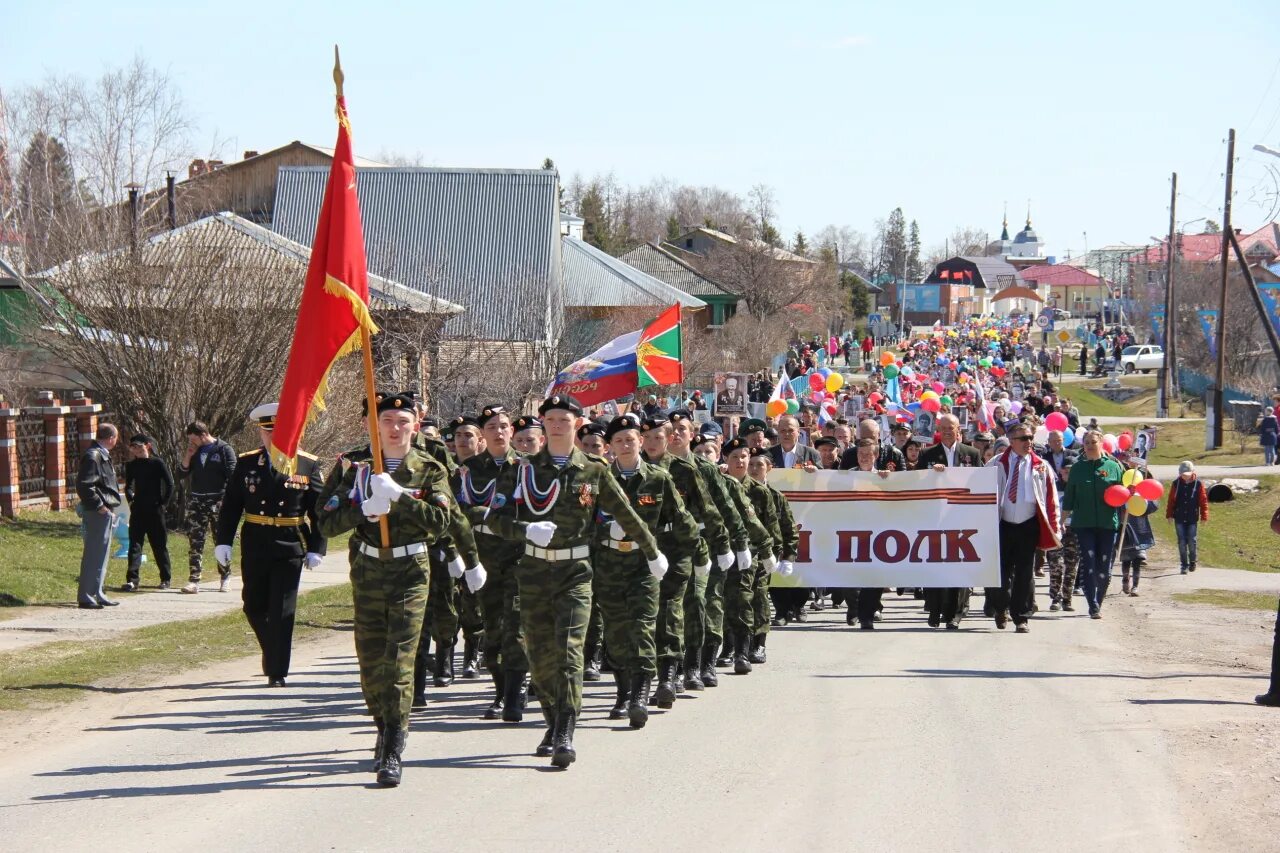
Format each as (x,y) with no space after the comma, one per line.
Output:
(337,71)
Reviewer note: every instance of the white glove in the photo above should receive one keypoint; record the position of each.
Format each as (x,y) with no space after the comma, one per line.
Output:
(371,508)
(616,532)
(383,486)
(456,568)
(786,567)
(658,567)
(744,560)
(313,559)
(222,553)
(475,577)
(725,561)
(770,563)
(703,570)
(540,532)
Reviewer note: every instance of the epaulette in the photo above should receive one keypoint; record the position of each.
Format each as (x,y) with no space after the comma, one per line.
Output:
(249,453)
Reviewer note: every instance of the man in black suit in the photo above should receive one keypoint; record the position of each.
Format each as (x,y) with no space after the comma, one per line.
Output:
(789,452)
(948,603)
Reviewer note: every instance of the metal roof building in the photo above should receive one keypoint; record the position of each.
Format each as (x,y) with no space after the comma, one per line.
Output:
(664,265)
(487,239)
(596,279)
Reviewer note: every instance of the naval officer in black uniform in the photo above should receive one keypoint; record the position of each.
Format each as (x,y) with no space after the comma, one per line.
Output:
(280,534)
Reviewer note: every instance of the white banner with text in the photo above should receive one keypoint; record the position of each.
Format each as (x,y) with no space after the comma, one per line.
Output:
(911,528)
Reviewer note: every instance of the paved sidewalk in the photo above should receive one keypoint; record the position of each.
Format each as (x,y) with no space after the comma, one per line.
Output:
(149,606)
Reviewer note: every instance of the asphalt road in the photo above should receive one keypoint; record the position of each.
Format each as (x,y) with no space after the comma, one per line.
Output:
(903,738)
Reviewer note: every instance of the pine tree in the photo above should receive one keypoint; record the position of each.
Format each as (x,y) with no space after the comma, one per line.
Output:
(673,229)
(914,270)
(800,246)
(46,199)
(859,296)
(595,224)
(895,245)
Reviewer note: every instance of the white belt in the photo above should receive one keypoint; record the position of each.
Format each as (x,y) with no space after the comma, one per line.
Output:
(557,555)
(623,545)
(701,526)
(393,553)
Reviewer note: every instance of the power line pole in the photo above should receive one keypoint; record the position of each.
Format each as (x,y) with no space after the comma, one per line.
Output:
(1170,363)
(1214,439)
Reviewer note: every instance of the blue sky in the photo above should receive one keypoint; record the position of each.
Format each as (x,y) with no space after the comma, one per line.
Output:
(846,109)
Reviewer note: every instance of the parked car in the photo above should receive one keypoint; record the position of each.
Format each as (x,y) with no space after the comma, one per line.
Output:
(1060,314)
(1145,358)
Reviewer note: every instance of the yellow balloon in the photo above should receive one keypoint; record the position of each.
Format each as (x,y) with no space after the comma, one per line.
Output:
(835,382)
(1137,506)
(1131,478)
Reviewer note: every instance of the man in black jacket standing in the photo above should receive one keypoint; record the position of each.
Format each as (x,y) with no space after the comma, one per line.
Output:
(208,462)
(948,603)
(99,494)
(148,485)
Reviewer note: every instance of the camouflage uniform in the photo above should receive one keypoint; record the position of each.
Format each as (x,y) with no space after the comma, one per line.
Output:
(476,484)
(739,584)
(713,597)
(555,582)
(201,518)
(789,543)
(1063,563)
(766,507)
(391,592)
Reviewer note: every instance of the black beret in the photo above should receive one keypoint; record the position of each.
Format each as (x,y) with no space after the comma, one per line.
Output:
(655,422)
(377,397)
(525,422)
(400,402)
(461,421)
(732,445)
(751,425)
(591,428)
(490,411)
(698,440)
(621,423)
(679,415)
(759,452)
(429,422)
(562,402)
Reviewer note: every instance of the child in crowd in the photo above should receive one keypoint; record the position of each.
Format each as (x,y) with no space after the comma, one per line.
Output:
(1188,506)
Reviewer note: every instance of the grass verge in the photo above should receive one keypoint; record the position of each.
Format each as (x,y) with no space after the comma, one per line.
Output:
(1178,441)
(55,673)
(1237,535)
(1229,598)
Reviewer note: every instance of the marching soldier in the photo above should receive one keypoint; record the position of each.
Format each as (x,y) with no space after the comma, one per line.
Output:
(786,541)
(390,585)
(628,586)
(756,509)
(592,441)
(553,508)
(704,606)
(527,435)
(475,483)
(280,533)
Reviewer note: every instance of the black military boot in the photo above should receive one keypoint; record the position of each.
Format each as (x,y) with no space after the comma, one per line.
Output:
(638,710)
(393,742)
(377,748)
(741,661)
(677,677)
(693,668)
(515,695)
(444,665)
(547,745)
(470,657)
(494,711)
(665,696)
(619,709)
(757,648)
(725,656)
(709,676)
(563,754)
(594,659)
(419,683)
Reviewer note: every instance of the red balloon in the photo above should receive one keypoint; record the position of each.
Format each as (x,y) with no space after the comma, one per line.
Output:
(1056,421)
(874,397)
(1125,440)
(954,365)
(1116,496)
(817,382)
(1149,489)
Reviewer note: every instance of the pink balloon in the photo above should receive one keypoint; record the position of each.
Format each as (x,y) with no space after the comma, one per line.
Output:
(938,387)
(1056,420)
(819,396)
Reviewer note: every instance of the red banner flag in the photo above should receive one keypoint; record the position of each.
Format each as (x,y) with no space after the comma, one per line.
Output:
(335,300)
(945,275)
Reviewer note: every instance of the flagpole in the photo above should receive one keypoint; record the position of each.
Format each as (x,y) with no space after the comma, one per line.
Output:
(366,345)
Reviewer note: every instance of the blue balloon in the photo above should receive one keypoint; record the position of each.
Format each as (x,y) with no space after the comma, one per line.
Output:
(943,361)
(914,408)
(1068,438)
(824,371)
(999,362)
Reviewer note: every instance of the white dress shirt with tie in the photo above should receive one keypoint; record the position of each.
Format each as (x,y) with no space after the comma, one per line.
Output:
(1018,502)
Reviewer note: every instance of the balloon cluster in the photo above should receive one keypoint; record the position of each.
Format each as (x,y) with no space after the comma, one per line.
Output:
(1133,492)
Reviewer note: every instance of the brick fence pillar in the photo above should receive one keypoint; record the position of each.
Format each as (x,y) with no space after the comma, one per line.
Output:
(8,459)
(55,463)
(86,414)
